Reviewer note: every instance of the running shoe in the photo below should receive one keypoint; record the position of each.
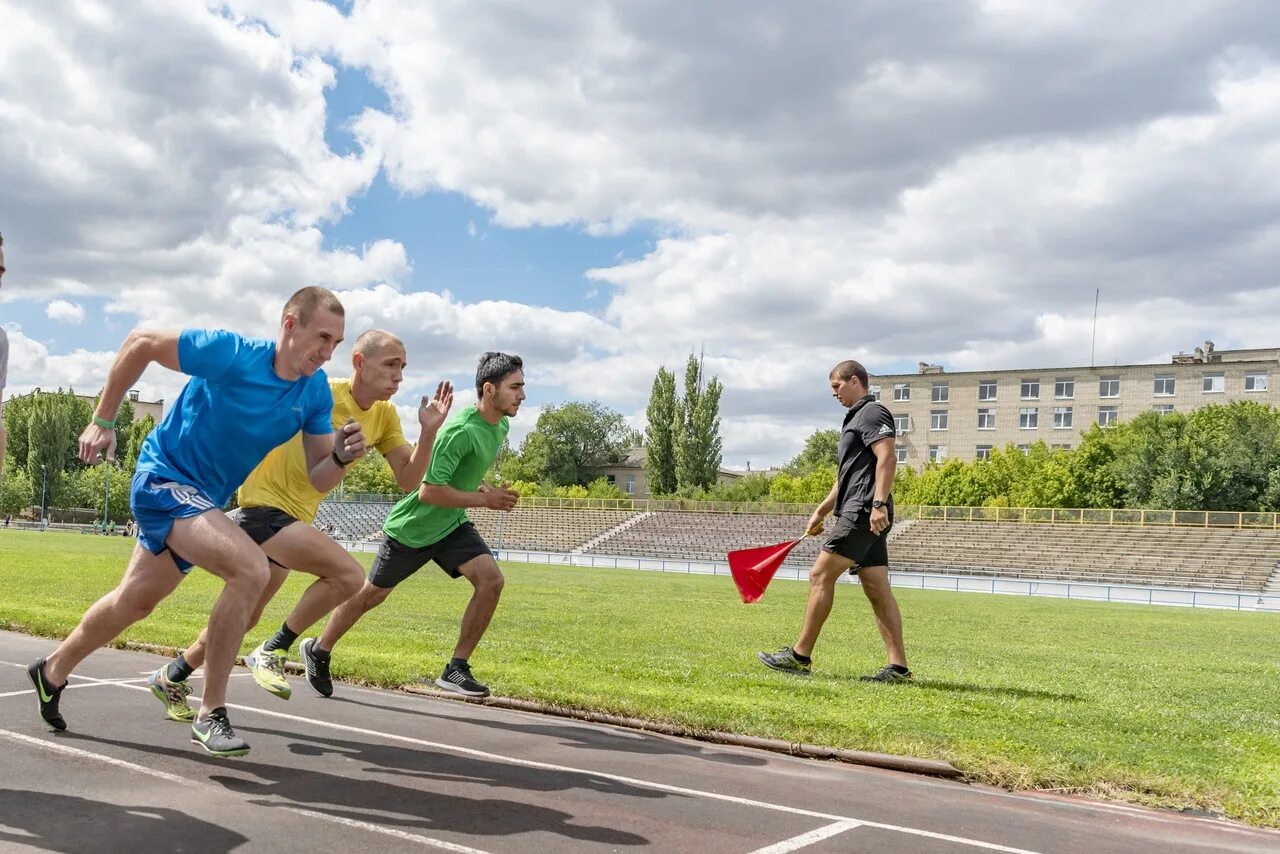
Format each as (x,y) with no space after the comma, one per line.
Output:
(317,666)
(46,696)
(458,679)
(173,695)
(785,661)
(888,673)
(214,734)
(268,670)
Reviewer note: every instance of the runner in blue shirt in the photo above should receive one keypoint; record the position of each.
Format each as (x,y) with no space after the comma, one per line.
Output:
(245,397)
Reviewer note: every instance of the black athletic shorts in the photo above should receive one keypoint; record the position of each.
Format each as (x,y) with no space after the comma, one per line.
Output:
(851,536)
(396,561)
(261,523)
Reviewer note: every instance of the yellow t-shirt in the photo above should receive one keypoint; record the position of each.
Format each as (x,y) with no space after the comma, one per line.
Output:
(281,479)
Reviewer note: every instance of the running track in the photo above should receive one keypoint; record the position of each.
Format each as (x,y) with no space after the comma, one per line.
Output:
(388,771)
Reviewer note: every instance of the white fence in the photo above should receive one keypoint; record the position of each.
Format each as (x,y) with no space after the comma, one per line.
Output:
(1094,592)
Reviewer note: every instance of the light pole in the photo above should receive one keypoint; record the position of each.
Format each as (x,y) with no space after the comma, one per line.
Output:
(44,481)
(106,497)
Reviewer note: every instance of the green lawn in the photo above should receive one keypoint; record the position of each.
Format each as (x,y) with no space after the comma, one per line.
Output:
(1162,706)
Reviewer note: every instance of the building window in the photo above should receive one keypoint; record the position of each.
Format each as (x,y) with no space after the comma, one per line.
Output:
(1028,418)
(902,424)
(1026,449)
(611,479)
(1164,386)
(938,419)
(901,453)
(987,390)
(631,484)
(901,391)
(1062,417)
(875,391)
(1164,408)
(937,453)
(986,419)
(1255,382)
(1064,389)
(1031,389)
(1108,415)
(982,452)
(1063,447)
(941,392)
(1109,387)
(1215,383)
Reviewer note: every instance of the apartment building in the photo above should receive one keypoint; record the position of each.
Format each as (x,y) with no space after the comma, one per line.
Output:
(966,415)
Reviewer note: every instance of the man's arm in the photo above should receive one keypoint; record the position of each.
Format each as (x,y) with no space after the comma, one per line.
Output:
(886,465)
(140,349)
(329,454)
(409,462)
(824,509)
(495,498)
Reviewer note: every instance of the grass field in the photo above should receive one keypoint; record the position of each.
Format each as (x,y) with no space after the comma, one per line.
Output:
(1161,706)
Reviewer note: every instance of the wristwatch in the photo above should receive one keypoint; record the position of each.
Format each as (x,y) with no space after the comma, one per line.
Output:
(877,504)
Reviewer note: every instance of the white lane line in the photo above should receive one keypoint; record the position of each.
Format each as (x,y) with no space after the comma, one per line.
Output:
(44,744)
(804,840)
(24,691)
(388,831)
(618,778)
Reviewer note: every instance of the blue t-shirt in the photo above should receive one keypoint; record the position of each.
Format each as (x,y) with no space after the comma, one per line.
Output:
(231,413)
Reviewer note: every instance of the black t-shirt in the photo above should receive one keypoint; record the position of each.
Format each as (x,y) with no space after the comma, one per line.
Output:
(866,423)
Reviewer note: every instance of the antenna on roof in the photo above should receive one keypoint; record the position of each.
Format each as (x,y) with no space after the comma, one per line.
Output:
(1094,346)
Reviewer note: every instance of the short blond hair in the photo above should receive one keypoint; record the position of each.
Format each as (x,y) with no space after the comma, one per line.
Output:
(307,301)
(374,340)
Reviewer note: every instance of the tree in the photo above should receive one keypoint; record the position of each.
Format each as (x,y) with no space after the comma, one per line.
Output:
(16,491)
(371,474)
(660,449)
(697,434)
(571,442)
(47,445)
(138,432)
(820,450)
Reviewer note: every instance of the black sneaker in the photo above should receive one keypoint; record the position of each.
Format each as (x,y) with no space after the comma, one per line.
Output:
(47,697)
(784,660)
(317,667)
(214,734)
(458,679)
(888,673)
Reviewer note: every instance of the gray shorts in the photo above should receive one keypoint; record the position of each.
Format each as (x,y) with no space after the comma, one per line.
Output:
(396,561)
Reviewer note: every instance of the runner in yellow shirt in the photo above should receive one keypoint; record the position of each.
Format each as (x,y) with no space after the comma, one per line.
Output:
(278,505)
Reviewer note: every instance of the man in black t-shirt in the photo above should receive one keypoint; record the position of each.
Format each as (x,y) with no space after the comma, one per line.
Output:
(863,504)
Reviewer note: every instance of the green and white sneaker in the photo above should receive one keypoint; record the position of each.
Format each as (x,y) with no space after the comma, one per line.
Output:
(784,660)
(268,670)
(214,734)
(173,695)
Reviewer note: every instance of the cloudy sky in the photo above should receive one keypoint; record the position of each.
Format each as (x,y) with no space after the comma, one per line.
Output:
(603,187)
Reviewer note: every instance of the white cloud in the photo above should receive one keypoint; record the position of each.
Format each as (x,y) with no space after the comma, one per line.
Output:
(885,182)
(64,312)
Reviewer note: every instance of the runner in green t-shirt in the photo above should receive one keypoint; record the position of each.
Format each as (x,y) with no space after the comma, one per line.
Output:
(432,524)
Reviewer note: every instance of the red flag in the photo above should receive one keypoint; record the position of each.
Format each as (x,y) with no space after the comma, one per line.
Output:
(753,569)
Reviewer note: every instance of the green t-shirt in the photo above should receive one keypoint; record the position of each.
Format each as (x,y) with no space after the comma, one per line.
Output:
(464,450)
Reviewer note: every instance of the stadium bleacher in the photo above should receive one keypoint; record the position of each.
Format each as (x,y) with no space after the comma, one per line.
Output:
(1210,558)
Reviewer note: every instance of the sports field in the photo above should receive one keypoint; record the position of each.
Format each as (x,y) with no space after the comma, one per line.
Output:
(1161,706)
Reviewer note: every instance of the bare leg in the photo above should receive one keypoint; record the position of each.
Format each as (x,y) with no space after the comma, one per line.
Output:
(339,578)
(487,581)
(349,612)
(148,580)
(875,583)
(194,654)
(826,571)
(214,542)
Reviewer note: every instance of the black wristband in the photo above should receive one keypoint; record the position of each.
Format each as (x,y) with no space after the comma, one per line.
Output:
(337,459)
